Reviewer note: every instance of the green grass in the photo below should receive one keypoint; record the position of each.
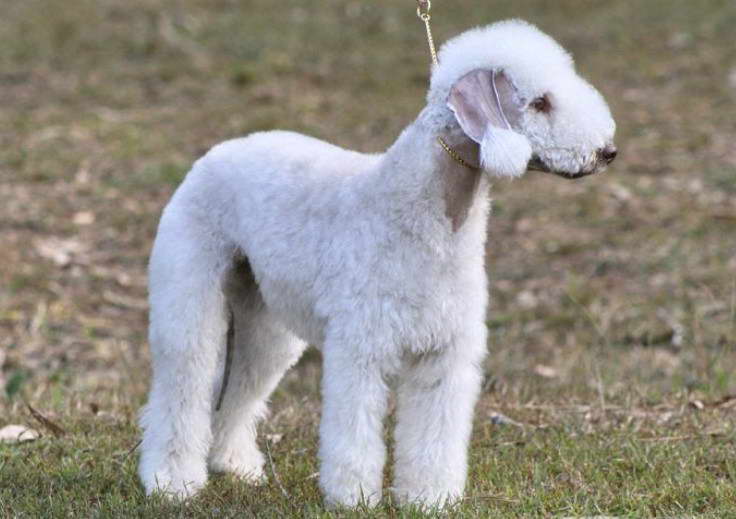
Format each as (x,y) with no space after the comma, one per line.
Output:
(578,460)
(613,318)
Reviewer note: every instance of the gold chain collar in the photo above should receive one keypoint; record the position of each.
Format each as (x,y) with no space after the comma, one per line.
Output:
(455,155)
(423,8)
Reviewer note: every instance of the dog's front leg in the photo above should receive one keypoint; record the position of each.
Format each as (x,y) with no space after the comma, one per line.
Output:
(436,397)
(352,451)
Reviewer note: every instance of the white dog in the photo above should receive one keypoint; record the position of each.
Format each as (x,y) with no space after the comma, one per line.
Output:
(277,240)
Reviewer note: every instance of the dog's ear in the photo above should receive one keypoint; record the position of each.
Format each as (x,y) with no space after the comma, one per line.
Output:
(486,105)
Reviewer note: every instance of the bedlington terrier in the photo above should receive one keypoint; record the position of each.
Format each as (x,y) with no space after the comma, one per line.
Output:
(277,240)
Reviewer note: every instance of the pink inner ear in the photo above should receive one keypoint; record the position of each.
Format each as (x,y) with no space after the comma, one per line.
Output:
(483,99)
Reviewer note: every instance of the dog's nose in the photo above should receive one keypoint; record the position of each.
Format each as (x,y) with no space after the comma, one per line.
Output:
(607,154)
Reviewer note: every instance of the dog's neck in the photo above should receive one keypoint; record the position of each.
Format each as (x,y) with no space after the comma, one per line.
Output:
(429,171)
(460,181)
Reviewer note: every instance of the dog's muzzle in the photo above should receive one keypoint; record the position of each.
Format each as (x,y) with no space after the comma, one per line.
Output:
(603,157)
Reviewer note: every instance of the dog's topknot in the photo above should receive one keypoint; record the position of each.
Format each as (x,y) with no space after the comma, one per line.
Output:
(513,45)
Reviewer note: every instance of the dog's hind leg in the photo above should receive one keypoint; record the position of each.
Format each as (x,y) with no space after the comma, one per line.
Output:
(188,324)
(261,351)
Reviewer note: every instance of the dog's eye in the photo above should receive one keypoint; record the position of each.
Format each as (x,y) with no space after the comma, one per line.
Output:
(541,104)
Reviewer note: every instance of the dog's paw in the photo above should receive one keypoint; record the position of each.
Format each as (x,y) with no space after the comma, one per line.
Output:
(426,497)
(177,488)
(347,498)
(248,466)
(345,490)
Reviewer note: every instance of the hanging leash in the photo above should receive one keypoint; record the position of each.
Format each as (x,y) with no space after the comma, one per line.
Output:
(423,8)
(423,13)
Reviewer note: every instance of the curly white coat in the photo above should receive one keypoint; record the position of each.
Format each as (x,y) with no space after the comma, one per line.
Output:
(378,260)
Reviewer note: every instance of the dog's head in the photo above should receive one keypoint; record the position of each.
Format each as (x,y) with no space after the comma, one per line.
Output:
(514,91)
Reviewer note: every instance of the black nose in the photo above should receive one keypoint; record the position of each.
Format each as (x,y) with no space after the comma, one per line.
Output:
(607,154)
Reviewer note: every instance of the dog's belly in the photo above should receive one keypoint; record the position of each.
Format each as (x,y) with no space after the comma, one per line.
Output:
(409,320)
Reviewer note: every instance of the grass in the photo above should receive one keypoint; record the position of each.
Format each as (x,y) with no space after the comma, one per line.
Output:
(555,470)
(613,319)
